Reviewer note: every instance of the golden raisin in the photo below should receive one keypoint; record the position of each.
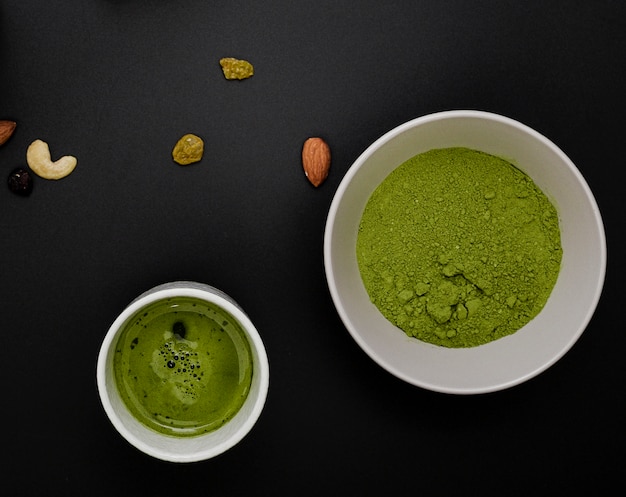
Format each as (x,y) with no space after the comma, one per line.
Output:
(188,149)
(236,68)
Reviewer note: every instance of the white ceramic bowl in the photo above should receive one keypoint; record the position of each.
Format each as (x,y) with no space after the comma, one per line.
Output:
(169,448)
(510,360)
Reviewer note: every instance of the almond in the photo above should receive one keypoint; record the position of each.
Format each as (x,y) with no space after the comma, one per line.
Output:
(316,160)
(6,130)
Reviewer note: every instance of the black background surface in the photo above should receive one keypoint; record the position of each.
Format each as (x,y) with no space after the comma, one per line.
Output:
(116,83)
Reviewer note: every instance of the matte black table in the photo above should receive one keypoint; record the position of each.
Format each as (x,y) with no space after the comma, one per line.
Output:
(116,83)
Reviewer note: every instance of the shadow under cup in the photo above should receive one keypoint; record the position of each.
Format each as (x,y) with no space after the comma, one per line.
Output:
(185,448)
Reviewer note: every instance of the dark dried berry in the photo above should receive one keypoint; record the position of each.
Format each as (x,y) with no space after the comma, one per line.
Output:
(20,182)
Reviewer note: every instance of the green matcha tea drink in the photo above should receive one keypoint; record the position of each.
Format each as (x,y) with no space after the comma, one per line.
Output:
(183,366)
(458,248)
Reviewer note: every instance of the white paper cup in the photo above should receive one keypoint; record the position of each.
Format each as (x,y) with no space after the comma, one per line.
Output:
(183,449)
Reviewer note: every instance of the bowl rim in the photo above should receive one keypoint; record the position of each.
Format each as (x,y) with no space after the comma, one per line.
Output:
(345,183)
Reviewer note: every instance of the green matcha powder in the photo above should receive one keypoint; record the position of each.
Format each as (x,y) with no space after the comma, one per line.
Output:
(458,248)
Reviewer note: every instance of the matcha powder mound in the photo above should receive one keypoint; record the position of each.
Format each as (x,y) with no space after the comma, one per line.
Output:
(458,248)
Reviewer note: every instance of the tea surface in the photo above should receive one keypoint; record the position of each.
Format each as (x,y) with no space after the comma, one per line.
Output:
(183,366)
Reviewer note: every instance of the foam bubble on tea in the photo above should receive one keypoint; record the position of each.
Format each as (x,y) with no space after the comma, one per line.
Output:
(183,366)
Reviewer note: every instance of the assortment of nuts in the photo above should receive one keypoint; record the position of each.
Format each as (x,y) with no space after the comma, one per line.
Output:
(20,180)
(189,149)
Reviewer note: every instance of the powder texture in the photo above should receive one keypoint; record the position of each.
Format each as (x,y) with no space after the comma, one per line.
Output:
(458,248)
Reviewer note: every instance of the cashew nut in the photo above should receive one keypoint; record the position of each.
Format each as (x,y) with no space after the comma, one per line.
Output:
(38,158)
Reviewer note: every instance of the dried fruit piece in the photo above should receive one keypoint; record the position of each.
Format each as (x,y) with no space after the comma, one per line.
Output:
(316,160)
(236,68)
(6,130)
(20,182)
(38,158)
(188,149)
